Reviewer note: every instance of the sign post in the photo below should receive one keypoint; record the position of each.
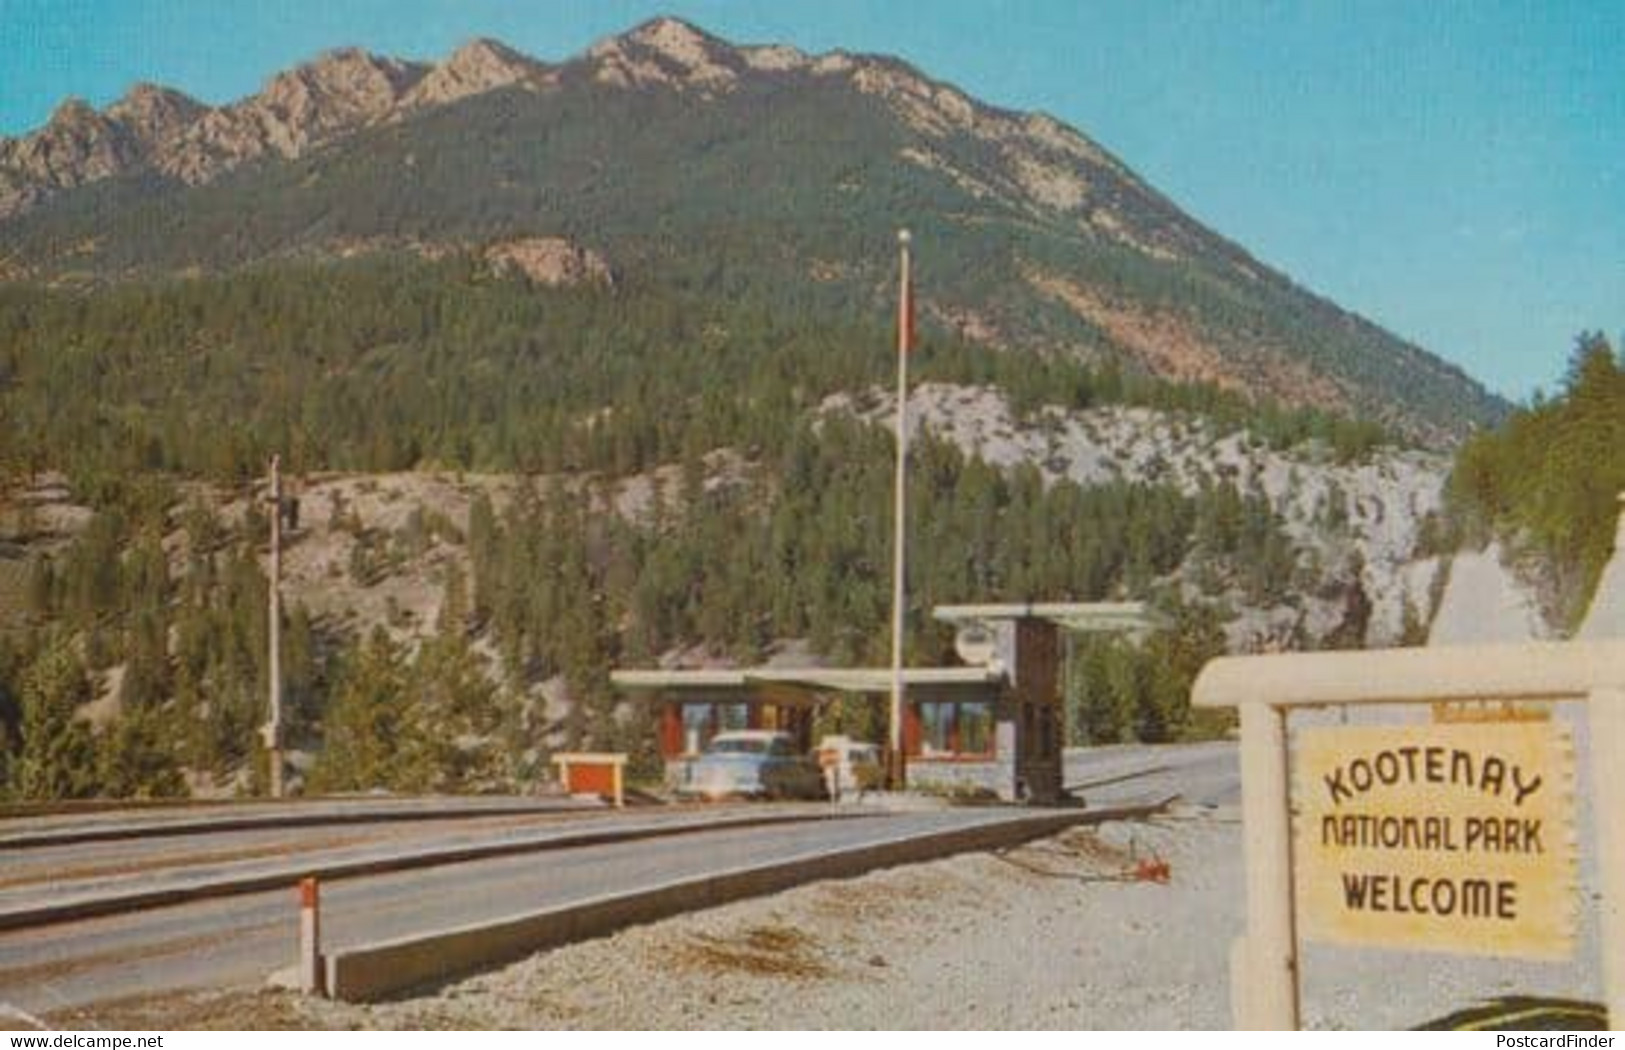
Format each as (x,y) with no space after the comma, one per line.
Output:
(1271,951)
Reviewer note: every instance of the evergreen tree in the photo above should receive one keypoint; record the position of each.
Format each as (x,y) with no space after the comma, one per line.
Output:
(1549,479)
(57,759)
(368,741)
(455,719)
(136,759)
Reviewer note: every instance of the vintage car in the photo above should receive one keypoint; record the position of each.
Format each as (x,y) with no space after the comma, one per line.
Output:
(752,763)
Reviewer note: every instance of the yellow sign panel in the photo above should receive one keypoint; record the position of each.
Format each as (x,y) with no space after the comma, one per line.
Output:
(1455,838)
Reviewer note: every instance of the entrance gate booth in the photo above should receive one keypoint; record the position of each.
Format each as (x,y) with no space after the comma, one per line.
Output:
(694,705)
(996,723)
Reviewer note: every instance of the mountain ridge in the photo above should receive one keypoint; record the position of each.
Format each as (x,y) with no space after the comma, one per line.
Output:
(1054,245)
(345,89)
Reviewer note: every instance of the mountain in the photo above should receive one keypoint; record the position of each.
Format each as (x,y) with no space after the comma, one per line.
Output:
(680,160)
(588,365)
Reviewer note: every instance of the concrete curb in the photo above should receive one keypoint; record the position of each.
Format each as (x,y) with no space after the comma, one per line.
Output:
(376,971)
(289,875)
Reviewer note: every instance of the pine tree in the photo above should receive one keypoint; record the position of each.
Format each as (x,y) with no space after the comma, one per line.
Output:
(57,759)
(137,759)
(455,720)
(1549,478)
(366,733)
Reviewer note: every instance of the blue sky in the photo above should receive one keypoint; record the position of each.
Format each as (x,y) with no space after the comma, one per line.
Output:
(1450,169)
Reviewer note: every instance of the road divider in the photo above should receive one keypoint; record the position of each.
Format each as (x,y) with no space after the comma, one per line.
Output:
(379,970)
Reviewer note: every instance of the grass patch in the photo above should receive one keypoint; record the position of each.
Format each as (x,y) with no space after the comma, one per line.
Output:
(764,951)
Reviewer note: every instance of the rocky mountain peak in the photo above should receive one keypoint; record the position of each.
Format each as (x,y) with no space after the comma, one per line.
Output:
(775,58)
(675,37)
(478,66)
(339,92)
(153,113)
(72,111)
(483,53)
(339,84)
(667,52)
(76,146)
(144,96)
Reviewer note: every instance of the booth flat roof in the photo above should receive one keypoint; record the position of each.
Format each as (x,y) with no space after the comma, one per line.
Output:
(1071,616)
(832,679)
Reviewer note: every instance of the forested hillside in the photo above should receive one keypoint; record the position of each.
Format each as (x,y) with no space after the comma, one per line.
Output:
(391,363)
(537,600)
(1551,478)
(352,367)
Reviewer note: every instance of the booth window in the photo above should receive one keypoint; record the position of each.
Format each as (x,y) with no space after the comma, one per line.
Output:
(702,721)
(956,729)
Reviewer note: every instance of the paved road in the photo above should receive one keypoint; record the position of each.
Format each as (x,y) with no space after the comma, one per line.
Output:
(1200,774)
(47,875)
(239,940)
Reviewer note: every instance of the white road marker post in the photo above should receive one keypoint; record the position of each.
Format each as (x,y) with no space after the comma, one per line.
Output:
(311,978)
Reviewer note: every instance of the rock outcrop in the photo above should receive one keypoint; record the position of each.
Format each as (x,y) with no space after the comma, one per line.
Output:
(552,262)
(1357,524)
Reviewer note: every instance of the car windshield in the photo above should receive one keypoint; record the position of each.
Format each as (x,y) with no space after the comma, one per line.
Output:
(737,746)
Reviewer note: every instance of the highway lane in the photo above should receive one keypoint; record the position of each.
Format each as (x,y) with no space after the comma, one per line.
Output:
(25,826)
(41,873)
(1206,774)
(210,865)
(239,940)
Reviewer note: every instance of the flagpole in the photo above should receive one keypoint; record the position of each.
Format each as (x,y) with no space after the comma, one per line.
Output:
(905,325)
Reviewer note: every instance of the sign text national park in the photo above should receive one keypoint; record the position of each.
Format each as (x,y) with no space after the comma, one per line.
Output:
(1453,837)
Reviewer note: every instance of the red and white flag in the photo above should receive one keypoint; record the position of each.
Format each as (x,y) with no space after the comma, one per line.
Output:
(905,308)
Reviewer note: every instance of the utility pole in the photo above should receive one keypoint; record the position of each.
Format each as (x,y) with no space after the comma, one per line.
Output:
(897,763)
(273,729)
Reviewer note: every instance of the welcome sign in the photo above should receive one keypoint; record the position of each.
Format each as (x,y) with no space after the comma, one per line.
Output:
(1454,838)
